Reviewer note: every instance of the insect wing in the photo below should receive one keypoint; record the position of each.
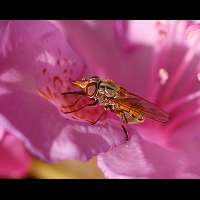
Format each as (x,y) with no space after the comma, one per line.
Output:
(142,105)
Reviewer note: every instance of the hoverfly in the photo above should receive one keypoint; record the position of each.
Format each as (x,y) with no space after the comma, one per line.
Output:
(130,107)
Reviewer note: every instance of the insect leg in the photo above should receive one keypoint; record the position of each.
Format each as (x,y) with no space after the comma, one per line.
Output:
(123,121)
(91,104)
(125,131)
(100,116)
(77,100)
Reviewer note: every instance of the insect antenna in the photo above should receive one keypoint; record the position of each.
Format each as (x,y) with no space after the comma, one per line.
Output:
(75,92)
(124,120)
(125,131)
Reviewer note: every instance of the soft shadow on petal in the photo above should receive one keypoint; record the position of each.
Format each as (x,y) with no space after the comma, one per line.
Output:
(141,159)
(82,142)
(14,159)
(38,51)
(41,64)
(50,136)
(186,140)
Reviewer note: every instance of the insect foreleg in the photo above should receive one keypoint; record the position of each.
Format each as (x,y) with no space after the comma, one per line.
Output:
(77,100)
(123,121)
(100,116)
(125,131)
(91,104)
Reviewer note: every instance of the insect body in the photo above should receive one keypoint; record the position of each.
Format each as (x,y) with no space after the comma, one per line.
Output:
(129,107)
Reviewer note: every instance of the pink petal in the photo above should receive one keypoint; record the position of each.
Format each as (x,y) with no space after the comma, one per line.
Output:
(142,159)
(14,160)
(178,60)
(41,62)
(186,140)
(37,48)
(37,65)
(168,152)
(174,81)
(99,45)
(82,142)
(132,32)
(50,136)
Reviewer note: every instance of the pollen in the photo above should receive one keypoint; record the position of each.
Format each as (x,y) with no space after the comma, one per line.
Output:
(163,75)
(198,76)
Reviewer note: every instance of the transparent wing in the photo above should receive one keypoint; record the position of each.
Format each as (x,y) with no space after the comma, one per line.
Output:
(150,110)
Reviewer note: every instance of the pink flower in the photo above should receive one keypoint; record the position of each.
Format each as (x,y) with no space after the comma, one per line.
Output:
(37,65)
(155,59)
(14,159)
(158,60)
(173,83)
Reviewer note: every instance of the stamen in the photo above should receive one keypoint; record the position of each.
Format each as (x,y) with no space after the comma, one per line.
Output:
(198,76)
(179,102)
(181,120)
(163,75)
(152,73)
(178,74)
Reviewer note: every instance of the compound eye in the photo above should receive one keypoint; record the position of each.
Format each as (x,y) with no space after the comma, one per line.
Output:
(91,89)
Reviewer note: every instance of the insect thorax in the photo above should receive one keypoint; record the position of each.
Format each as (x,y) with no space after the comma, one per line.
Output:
(105,92)
(108,88)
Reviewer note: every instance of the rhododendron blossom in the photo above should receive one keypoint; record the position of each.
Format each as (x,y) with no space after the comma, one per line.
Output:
(14,159)
(158,60)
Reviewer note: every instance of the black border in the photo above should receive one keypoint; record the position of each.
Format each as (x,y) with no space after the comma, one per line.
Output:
(100,188)
(103,188)
(100,10)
